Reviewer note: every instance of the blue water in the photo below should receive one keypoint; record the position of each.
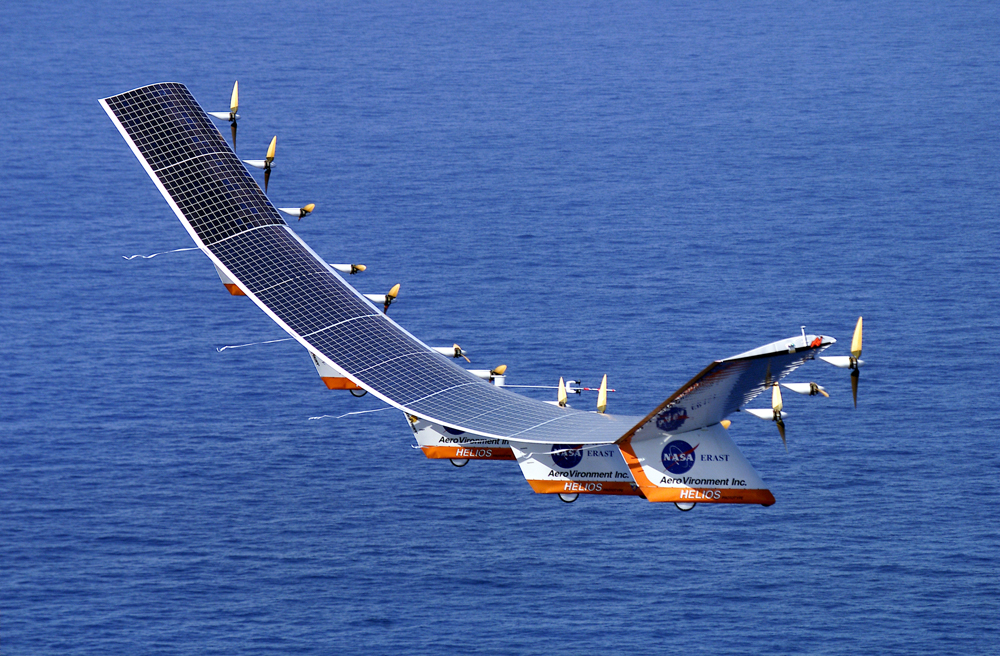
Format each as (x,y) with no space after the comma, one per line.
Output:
(571,189)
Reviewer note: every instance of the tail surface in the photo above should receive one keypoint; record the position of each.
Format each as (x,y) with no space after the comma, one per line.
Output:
(571,469)
(699,466)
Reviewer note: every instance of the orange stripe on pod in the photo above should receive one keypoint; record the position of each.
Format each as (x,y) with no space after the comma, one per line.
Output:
(234,289)
(584,487)
(710,495)
(688,494)
(340,383)
(468,452)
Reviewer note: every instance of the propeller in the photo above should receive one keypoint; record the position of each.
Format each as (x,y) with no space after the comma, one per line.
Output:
(268,159)
(390,297)
(265,163)
(459,353)
(562,393)
(852,361)
(231,115)
(385,299)
(774,414)
(349,268)
(856,358)
(808,389)
(602,396)
(300,212)
(776,405)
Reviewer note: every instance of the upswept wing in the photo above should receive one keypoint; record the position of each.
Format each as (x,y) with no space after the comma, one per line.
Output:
(237,227)
(725,386)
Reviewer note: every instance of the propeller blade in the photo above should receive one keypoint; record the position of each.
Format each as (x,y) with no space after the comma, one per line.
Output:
(499,371)
(856,341)
(602,396)
(562,393)
(726,423)
(270,150)
(306,210)
(781,431)
(855,375)
(267,178)
(357,268)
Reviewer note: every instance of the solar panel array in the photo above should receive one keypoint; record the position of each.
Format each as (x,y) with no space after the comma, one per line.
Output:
(236,224)
(199,170)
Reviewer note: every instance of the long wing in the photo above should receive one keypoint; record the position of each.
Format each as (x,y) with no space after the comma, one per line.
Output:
(725,386)
(236,226)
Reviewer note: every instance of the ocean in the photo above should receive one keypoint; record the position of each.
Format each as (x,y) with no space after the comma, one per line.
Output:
(571,189)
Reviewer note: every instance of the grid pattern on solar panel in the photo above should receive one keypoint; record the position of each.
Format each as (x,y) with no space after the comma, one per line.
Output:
(237,223)
(514,416)
(166,124)
(287,278)
(193,162)
(316,304)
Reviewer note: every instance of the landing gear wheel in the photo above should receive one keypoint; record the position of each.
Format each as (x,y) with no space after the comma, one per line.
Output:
(460,462)
(568,498)
(684,506)
(358,393)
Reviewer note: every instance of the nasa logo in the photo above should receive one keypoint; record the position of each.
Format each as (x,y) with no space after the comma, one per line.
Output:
(567,456)
(452,431)
(678,457)
(671,419)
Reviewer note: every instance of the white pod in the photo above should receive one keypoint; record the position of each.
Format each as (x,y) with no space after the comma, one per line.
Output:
(453,351)
(349,268)
(842,361)
(804,388)
(490,375)
(766,414)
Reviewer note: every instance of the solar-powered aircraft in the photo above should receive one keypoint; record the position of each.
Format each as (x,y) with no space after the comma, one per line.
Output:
(679,452)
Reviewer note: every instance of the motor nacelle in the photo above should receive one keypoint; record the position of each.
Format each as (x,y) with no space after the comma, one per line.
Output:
(495,375)
(349,268)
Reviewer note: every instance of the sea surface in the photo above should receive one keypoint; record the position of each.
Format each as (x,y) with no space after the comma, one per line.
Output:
(571,189)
